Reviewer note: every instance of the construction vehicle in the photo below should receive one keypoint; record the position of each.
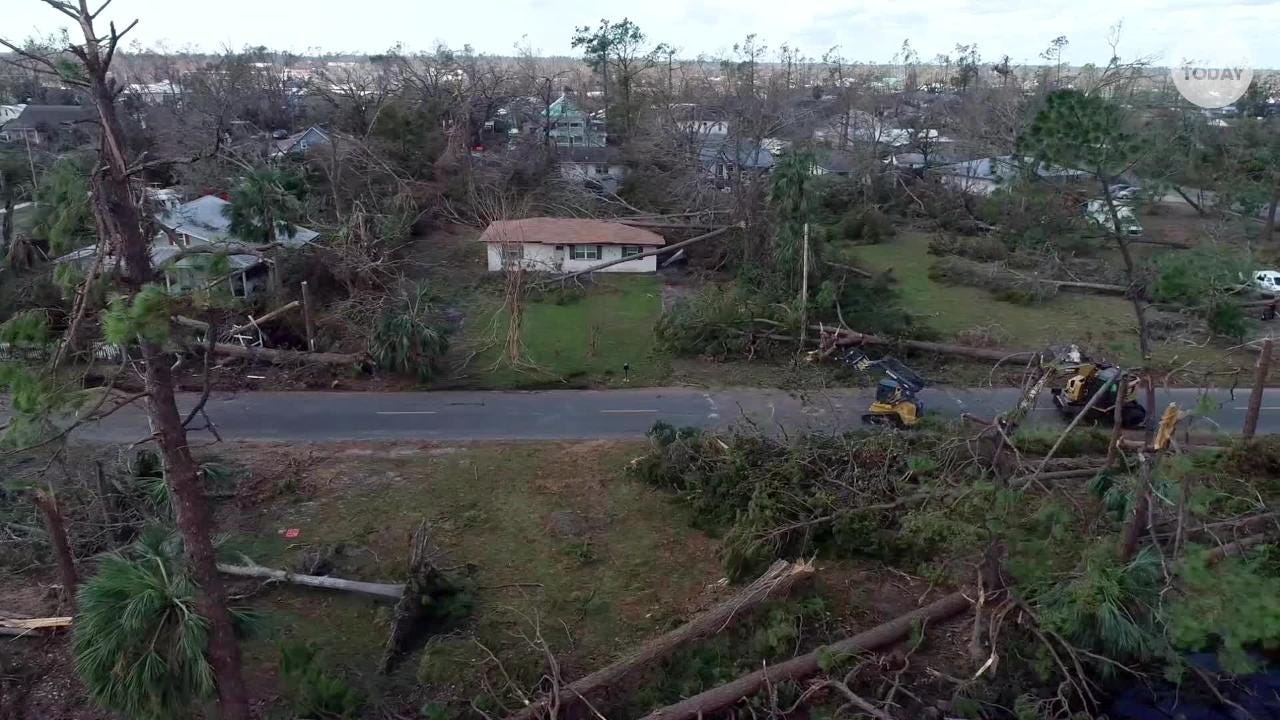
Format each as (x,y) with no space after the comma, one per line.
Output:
(1084,382)
(896,403)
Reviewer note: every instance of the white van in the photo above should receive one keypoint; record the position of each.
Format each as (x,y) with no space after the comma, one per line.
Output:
(1267,281)
(1097,213)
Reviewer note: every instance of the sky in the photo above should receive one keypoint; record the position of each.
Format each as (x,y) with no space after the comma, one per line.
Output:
(864,30)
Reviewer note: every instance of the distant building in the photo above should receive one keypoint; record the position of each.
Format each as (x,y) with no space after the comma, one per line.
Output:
(299,142)
(721,157)
(598,165)
(198,224)
(40,124)
(986,175)
(566,244)
(573,127)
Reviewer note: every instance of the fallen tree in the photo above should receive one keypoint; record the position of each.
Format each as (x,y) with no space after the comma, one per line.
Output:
(850,338)
(719,698)
(287,357)
(387,590)
(650,253)
(776,582)
(32,627)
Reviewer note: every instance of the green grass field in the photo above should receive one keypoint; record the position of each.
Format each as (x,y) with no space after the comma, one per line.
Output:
(625,567)
(583,342)
(953,309)
(1105,326)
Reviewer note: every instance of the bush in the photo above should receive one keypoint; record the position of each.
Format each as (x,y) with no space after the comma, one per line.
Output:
(984,248)
(409,340)
(709,323)
(865,226)
(1227,319)
(312,691)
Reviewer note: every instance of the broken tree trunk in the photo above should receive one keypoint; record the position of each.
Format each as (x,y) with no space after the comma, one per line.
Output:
(719,698)
(57,528)
(1103,288)
(287,357)
(387,590)
(425,587)
(254,322)
(650,253)
(849,337)
(1259,387)
(776,582)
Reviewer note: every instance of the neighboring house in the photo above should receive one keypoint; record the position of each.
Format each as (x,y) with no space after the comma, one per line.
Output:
(700,120)
(40,124)
(566,244)
(834,162)
(720,157)
(592,164)
(202,223)
(573,127)
(986,175)
(299,142)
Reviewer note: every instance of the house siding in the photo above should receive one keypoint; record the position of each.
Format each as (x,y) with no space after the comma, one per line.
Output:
(545,258)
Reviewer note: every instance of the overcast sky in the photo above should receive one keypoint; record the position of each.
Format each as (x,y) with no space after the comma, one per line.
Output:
(865,30)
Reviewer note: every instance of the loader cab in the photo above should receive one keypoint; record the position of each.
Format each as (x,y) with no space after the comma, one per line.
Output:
(888,391)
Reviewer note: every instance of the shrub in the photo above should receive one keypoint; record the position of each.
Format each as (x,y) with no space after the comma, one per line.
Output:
(139,642)
(982,247)
(709,323)
(1228,319)
(865,226)
(408,340)
(313,692)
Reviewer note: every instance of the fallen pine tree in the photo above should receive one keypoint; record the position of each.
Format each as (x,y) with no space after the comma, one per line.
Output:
(720,698)
(776,582)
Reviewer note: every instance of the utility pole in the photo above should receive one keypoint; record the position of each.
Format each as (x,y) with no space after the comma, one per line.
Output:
(804,288)
(307,319)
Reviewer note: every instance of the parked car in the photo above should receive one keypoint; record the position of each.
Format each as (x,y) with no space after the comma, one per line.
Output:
(1096,211)
(1124,191)
(1267,281)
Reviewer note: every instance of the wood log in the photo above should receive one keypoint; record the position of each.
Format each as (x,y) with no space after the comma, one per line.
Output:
(254,322)
(776,582)
(851,337)
(719,698)
(1235,548)
(287,357)
(1103,288)
(387,590)
(35,623)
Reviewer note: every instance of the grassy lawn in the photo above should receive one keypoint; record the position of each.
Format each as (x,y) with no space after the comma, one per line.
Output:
(576,342)
(627,567)
(1104,325)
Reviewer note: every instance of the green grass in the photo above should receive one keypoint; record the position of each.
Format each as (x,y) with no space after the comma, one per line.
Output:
(633,572)
(1104,326)
(953,309)
(583,342)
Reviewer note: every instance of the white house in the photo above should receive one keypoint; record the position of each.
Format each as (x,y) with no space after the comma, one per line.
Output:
(986,175)
(567,244)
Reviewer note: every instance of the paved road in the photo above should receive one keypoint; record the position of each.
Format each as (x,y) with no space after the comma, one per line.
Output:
(580,414)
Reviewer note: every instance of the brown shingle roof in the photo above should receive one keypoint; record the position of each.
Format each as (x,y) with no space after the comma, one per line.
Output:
(567,231)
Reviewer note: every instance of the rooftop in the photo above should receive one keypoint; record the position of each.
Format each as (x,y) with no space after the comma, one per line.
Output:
(43,116)
(568,231)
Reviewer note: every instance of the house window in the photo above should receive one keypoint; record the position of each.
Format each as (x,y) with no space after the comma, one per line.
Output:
(631,250)
(512,255)
(585,252)
(602,169)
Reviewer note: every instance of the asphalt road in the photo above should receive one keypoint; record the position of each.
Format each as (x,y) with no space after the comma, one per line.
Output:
(584,414)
